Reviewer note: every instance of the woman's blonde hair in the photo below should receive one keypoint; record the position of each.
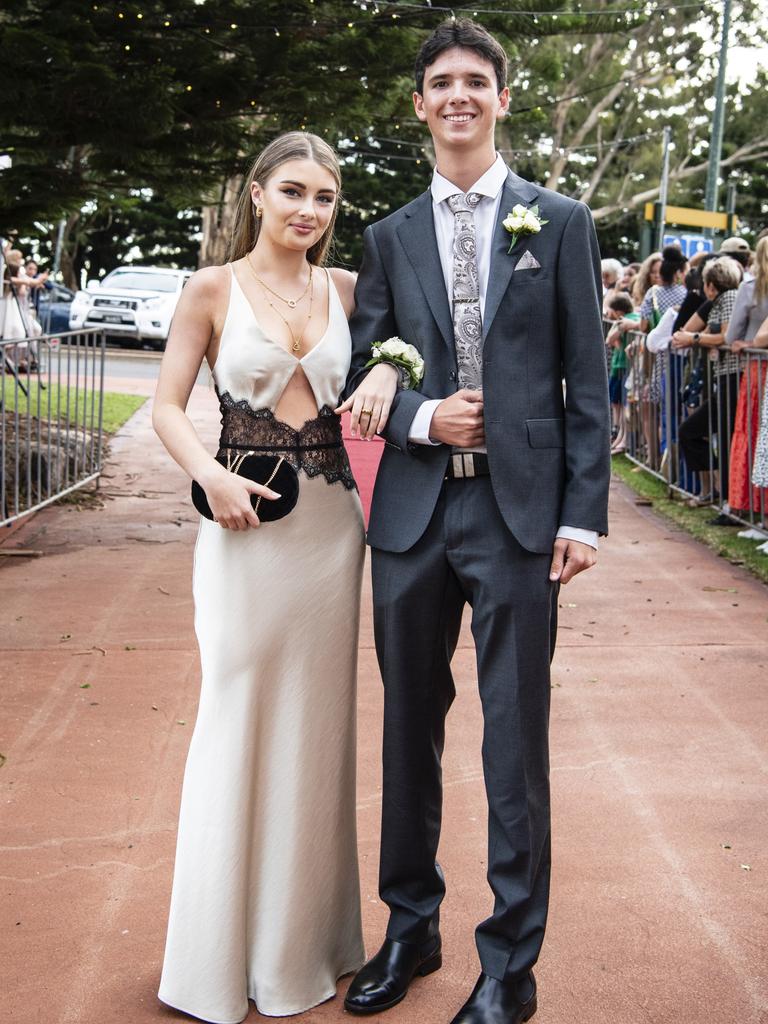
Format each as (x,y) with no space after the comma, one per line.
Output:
(760,270)
(724,274)
(291,146)
(642,281)
(12,260)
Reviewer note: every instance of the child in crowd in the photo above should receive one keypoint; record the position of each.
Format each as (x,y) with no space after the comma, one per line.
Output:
(618,308)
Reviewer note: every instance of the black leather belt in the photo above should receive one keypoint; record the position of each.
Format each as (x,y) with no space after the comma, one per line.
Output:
(466,465)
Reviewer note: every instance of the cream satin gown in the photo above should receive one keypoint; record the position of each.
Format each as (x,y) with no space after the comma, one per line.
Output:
(266,903)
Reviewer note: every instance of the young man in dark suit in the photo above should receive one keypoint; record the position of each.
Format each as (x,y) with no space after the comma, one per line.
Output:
(492,491)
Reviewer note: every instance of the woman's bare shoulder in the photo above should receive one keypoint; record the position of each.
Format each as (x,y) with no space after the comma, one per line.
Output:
(209,282)
(345,282)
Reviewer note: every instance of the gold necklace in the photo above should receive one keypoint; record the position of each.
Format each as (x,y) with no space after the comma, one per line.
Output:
(296,346)
(289,302)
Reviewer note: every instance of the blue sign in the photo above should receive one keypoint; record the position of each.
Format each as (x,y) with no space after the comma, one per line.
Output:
(690,244)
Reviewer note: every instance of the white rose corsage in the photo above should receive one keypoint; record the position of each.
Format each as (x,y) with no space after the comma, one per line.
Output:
(405,357)
(523,221)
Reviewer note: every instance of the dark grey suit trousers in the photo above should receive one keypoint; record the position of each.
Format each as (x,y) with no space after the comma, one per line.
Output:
(467,555)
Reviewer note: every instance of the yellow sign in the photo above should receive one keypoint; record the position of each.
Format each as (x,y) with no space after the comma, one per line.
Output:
(688,216)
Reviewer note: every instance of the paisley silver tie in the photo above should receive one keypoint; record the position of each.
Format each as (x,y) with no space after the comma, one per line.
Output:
(467,325)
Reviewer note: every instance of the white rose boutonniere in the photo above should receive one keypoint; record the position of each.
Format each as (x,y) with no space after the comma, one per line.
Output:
(405,357)
(522,221)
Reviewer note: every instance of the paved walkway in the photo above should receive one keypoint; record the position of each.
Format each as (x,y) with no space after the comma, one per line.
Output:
(659,761)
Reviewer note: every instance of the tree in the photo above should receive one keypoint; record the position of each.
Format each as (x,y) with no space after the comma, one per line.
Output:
(177,97)
(610,100)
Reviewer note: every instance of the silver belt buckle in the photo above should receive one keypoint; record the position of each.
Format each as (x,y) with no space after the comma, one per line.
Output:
(463,465)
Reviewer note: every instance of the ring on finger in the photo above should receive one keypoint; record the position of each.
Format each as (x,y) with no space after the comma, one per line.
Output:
(366,412)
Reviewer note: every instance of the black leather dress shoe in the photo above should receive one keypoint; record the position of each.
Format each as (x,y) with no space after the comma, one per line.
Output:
(499,1002)
(384,980)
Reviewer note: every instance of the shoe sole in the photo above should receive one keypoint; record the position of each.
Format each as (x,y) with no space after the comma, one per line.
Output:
(434,963)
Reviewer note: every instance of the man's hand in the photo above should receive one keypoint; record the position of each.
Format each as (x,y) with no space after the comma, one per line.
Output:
(570,557)
(458,420)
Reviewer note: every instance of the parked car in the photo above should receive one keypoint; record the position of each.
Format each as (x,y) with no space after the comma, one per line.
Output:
(53,308)
(131,303)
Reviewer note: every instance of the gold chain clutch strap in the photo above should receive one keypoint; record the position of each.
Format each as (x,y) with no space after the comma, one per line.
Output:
(235,462)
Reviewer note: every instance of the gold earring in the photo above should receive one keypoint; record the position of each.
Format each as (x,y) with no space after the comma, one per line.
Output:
(257,210)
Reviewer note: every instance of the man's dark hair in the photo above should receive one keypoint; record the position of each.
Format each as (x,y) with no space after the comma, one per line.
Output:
(468,35)
(621,303)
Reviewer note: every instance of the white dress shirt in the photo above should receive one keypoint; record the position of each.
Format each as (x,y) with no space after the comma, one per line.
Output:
(490,186)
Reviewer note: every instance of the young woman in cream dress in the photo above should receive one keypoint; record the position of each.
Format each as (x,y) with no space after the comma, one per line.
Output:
(265,903)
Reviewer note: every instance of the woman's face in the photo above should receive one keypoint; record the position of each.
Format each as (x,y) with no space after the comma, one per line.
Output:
(710,291)
(626,279)
(297,202)
(654,276)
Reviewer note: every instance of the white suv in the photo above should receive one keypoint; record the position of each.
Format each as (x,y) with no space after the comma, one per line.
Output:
(132,302)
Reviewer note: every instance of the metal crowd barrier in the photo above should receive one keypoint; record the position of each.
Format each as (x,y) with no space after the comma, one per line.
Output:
(693,419)
(51,407)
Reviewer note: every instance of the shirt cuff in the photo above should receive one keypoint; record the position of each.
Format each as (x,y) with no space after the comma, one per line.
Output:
(418,432)
(582,536)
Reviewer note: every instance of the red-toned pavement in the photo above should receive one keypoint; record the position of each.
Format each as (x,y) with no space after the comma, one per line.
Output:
(659,762)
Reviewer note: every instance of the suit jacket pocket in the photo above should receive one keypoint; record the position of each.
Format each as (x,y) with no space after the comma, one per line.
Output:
(549,433)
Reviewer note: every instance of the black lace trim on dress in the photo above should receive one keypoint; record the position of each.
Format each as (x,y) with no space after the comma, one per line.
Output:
(316,447)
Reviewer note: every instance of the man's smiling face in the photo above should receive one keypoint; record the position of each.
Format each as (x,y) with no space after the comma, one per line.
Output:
(461,102)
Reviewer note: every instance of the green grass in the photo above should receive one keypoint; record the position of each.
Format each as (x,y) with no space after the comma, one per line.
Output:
(721,539)
(117,407)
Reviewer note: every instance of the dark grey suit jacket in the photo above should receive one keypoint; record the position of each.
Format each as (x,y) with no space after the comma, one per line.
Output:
(549,456)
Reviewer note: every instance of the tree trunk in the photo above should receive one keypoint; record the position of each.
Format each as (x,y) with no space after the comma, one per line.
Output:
(70,271)
(218,222)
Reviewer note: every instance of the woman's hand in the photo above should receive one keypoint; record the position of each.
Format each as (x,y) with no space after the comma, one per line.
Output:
(229,496)
(739,346)
(371,401)
(682,339)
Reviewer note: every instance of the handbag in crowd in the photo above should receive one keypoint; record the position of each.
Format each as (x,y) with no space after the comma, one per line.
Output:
(270,470)
(691,393)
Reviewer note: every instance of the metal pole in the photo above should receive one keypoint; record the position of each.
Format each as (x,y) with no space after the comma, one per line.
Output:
(716,136)
(730,209)
(664,188)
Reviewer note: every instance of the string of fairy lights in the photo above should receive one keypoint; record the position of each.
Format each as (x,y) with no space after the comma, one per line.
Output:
(365,142)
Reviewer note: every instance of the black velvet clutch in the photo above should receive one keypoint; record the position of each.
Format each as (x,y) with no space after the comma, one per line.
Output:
(271,470)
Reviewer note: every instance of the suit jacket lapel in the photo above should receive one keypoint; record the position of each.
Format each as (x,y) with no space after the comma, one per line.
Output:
(417,235)
(516,190)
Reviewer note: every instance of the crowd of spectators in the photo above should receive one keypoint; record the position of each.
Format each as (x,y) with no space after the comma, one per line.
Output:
(682,393)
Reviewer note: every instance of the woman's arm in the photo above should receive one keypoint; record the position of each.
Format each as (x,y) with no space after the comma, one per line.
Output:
(760,340)
(194,326)
(737,326)
(378,388)
(714,340)
(684,338)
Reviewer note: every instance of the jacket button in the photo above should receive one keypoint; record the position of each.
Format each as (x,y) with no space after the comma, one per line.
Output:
(452,375)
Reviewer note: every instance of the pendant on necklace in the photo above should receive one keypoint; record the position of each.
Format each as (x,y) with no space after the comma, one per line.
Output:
(292,303)
(296,346)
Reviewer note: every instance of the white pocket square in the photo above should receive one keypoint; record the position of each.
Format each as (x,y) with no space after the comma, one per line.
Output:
(527,261)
